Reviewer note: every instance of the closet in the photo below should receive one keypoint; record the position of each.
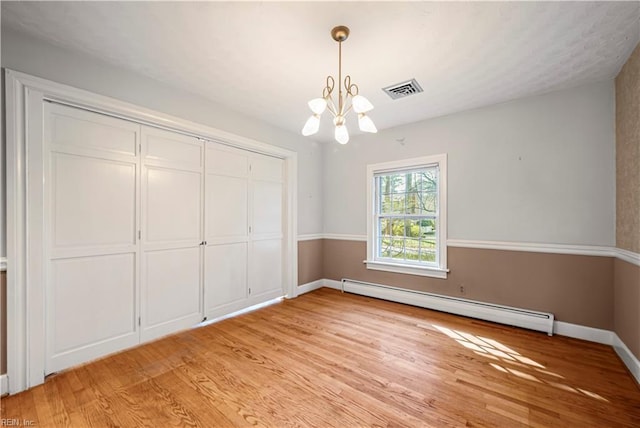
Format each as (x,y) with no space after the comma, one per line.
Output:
(149,231)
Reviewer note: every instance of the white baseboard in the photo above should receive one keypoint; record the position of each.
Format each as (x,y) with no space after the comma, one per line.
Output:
(4,384)
(314,285)
(310,286)
(585,333)
(330,283)
(627,357)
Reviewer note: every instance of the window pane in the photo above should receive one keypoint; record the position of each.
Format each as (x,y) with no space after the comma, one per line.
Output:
(397,249)
(412,228)
(428,244)
(384,227)
(412,182)
(412,203)
(385,204)
(429,180)
(397,227)
(392,204)
(428,202)
(427,256)
(428,228)
(398,183)
(412,249)
(384,247)
(397,203)
(393,183)
(385,184)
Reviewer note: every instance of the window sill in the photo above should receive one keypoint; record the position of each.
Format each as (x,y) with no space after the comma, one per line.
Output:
(433,272)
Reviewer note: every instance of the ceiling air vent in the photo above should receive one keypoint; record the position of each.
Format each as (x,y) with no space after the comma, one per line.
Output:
(402,90)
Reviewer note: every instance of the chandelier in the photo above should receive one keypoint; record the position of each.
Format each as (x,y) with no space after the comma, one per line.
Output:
(347,100)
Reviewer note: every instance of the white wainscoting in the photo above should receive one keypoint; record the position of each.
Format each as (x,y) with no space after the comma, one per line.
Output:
(342,237)
(582,250)
(628,256)
(310,237)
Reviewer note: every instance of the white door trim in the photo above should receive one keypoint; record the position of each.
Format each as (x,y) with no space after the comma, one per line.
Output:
(25,224)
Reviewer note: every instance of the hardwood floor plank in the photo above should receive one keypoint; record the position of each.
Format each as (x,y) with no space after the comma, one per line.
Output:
(339,360)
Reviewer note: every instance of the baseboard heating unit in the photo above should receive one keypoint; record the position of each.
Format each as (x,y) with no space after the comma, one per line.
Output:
(533,320)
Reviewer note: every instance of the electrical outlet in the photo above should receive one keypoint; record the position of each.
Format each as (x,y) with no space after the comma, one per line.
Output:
(461,288)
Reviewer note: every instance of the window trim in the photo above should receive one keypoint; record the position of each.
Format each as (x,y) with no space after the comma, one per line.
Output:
(439,271)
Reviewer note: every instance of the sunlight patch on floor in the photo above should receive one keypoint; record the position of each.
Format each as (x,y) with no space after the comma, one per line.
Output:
(494,350)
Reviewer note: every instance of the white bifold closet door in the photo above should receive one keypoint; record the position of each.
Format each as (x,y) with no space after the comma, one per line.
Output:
(145,238)
(265,249)
(91,176)
(243,229)
(171,232)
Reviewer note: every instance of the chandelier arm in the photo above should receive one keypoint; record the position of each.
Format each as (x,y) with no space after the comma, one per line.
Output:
(331,106)
(352,88)
(330,84)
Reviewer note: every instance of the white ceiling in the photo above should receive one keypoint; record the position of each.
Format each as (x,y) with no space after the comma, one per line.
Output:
(267,59)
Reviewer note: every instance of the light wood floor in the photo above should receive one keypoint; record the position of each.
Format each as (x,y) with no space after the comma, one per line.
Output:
(330,359)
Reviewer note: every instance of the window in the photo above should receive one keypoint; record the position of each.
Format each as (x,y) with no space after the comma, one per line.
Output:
(407,228)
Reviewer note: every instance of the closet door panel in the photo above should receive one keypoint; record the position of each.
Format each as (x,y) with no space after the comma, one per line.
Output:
(173,205)
(174,150)
(172,192)
(80,130)
(226,276)
(226,207)
(174,276)
(224,160)
(226,229)
(93,201)
(94,300)
(265,257)
(266,267)
(267,208)
(92,173)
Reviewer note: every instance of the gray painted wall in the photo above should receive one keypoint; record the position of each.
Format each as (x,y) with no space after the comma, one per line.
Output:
(538,169)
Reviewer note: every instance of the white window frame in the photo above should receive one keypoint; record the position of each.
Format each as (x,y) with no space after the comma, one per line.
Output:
(438,271)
